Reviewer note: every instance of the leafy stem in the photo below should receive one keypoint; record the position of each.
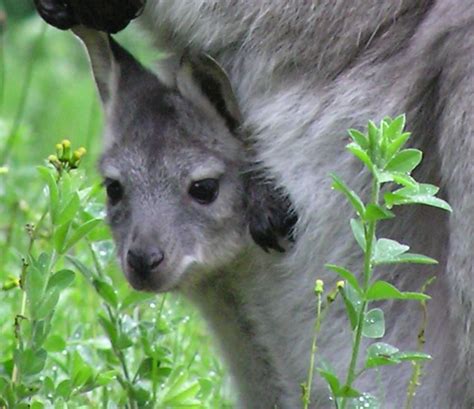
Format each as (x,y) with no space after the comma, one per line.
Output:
(381,151)
(367,274)
(23,277)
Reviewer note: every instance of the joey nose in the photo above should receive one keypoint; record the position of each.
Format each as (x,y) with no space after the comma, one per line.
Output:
(143,262)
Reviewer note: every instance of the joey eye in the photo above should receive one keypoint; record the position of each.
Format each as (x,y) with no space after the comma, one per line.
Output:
(114,191)
(204,191)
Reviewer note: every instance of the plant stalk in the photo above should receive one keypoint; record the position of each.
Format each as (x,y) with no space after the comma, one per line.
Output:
(314,347)
(367,274)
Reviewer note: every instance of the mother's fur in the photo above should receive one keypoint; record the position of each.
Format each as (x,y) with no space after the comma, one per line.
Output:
(304,72)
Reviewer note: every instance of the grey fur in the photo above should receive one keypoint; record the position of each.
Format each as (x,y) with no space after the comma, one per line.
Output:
(304,72)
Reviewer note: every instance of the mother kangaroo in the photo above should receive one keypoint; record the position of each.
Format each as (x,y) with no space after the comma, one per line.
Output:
(303,72)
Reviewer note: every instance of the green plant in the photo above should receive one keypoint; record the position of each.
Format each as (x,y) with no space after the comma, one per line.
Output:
(70,221)
(167,353)
(381,151)
(65,222)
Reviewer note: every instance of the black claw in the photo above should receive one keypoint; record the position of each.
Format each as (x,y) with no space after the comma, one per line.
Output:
(109,16)
(56,13)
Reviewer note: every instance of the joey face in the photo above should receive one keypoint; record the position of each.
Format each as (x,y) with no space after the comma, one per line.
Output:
(175,195)
(179,204)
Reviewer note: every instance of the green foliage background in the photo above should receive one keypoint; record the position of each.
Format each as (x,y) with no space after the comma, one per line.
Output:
(47,95)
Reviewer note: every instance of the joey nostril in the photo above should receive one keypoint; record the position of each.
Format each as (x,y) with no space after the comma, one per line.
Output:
(136,261)
(156,258)
(143,263)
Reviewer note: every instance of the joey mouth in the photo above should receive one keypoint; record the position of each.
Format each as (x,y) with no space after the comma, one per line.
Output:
(160,278)
(157,282)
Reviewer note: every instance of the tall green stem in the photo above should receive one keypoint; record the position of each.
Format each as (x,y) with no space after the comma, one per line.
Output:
(317,327)
(367,274)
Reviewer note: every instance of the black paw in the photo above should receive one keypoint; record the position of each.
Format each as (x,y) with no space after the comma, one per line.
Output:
(270,213)
(109,16)
(58,13)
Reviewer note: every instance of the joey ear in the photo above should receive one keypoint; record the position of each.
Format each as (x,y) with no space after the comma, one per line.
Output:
(112,65)
(202,81)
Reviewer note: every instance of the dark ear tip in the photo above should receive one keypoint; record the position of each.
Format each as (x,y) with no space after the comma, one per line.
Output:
(265,237)
(271,216)
(268,226)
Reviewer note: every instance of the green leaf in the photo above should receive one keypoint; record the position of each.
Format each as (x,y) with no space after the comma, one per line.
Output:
(180,391)
(380,354)
(348,392)
(395,127)
(48,386)
(391,252)
(386,251)
(48,304)
(64,389)
(82,375)
(55,343)
(373,133)
(331,379)
(59,403)
(403,179)
(381,290)
(207,388)
(61,280)
(420,194)
(81,232)
(395,145)
(32,362)
(186,396)
(104,378)
(359,138)
(420,189)
(396,199)
(100,233)
(358,233)
(352,302)
(106,291)
(404,161)
(36,277)
(374,324)
(384,177)
(65,186)
(362,155)
(397,177)
(59,236)
(49,176)
(374,212)
(142,396)
(109,328)
(68,212)
(134,298)
(345,274)
(414,259)
(146,368)
(413,356)
(353,198)
(83,269)
(123,341)
(41,329)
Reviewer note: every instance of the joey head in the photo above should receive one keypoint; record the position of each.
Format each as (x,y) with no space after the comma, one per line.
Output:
(174,168)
